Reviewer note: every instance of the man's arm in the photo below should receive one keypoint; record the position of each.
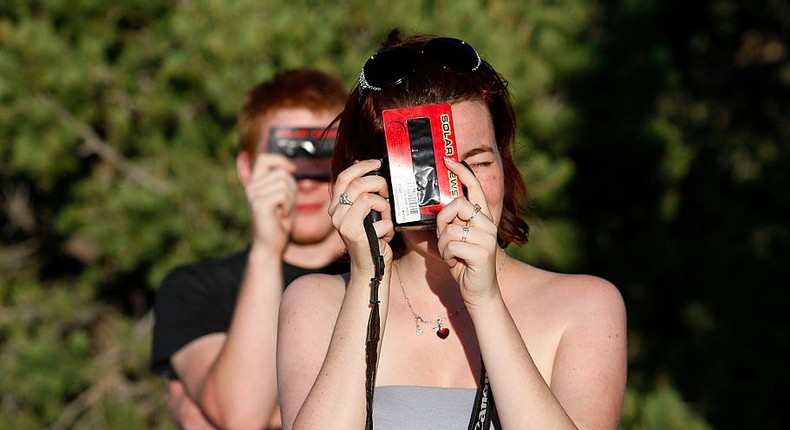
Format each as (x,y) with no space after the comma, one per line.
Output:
(233,378)
(184,411)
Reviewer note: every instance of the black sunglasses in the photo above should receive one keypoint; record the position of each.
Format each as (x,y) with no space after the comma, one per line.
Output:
(391,66)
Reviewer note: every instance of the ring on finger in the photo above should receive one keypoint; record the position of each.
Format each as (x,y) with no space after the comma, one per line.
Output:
(344,200)
(465,232)
(474,212)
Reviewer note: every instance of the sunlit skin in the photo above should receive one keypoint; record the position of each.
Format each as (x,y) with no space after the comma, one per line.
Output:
(552,343)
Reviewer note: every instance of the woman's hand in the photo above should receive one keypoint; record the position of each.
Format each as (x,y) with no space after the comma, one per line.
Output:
(353,197)
(468,239)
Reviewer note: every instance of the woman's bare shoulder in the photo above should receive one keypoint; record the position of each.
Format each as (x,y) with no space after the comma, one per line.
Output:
(573,292)
(318,291)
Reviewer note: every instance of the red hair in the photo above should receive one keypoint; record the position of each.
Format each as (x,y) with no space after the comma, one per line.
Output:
(312,89)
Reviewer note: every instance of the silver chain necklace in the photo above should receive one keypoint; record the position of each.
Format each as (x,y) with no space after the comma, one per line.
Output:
(441,331)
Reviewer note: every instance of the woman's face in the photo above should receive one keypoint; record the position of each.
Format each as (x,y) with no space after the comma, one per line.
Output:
(476,144)
(474,132)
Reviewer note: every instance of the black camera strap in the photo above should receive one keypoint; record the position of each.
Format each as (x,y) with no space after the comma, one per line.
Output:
(374,320)
(483,409)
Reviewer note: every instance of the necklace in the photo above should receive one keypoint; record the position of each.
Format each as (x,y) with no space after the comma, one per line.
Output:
(441,331)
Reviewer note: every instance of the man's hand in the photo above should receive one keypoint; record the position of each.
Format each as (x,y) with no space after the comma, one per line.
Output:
(183,410)
(271,195)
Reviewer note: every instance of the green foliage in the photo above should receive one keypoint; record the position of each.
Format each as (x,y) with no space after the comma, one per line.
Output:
(662,409)
(645,146)
(118,131)
(59,346)
(129,109)
(680,194)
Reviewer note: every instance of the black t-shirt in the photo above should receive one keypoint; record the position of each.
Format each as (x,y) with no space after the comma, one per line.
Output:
(198,299)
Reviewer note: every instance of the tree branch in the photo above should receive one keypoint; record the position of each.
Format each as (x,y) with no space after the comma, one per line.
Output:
(94,144)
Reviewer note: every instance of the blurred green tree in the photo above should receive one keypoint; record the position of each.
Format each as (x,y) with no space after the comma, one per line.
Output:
(652,137)
(680,195)
(118,138)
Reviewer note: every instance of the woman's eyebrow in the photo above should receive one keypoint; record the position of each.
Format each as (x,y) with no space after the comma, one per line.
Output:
(474,151)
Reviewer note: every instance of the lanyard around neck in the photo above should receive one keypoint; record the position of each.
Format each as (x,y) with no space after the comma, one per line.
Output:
(483,410)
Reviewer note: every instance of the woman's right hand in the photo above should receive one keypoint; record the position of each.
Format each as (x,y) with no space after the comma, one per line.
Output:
(364,193)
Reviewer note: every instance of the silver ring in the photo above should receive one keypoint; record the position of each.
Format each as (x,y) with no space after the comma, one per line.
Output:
(344,200)
(474,213)
(465,233)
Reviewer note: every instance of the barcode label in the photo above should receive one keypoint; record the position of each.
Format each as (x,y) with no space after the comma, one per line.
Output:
(407,205)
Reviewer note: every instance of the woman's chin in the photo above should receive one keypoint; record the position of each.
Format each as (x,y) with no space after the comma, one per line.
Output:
(417,240)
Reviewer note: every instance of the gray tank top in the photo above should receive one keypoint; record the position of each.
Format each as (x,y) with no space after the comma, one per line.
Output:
(398,407)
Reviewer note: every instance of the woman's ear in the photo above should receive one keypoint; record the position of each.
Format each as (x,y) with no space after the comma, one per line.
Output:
(244,167)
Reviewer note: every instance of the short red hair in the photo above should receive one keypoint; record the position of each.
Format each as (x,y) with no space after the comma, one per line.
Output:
(307,88)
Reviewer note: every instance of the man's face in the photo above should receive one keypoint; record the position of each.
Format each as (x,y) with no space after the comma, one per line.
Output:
(312,223)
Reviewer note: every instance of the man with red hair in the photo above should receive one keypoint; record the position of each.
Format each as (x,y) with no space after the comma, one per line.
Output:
(216,320)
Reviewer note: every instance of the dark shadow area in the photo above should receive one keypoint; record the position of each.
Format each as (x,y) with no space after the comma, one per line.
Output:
(681,196)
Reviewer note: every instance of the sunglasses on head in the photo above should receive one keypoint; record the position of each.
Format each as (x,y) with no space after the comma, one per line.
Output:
(391,66)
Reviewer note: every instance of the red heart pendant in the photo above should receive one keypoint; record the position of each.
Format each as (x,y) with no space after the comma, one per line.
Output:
(443,332)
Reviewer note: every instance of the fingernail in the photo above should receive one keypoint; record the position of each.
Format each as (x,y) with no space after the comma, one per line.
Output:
(450,160)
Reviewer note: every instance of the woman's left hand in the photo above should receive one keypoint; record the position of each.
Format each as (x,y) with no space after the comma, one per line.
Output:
(468,239)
